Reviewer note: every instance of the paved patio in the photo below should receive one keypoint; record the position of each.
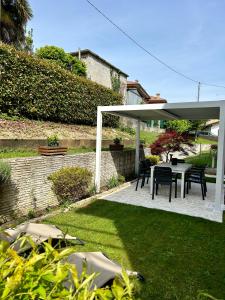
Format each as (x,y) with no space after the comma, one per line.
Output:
(192,205)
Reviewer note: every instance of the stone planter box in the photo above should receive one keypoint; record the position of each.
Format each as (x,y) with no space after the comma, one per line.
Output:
(116,147)
(49,151)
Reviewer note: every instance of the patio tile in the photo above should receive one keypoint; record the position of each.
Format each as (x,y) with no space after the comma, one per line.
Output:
(192,205)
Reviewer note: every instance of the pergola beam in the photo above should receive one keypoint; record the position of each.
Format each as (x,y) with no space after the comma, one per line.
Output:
(219,196)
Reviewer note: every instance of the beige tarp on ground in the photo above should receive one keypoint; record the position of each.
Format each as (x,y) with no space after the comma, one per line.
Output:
(38,233)
(97,262)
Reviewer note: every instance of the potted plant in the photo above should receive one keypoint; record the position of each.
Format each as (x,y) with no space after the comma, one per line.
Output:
(116,146)
(53,147)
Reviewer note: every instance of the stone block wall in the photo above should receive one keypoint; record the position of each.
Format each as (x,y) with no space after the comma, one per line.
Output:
(30,189)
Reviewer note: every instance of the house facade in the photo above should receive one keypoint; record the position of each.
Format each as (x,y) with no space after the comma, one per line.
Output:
(103,72)
(136,94)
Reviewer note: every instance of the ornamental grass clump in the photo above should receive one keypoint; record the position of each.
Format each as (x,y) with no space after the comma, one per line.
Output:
(5,172)
(71,183)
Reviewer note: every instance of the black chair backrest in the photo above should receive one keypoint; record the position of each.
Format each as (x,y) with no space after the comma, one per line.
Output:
(180,161)
(147,163)
(163,174)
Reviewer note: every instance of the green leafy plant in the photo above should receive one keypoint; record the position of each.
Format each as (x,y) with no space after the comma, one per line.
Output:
(63,59)
(115,81)
(154,159)
(114,181)
(5,172)
(71,183)
(31,214)
(53,140)
(117,141)
(127,129)
(45,91)
(179,126)
(43,275)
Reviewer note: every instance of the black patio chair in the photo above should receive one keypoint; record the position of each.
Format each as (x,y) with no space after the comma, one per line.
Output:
(144,172)
(196,175)
(163,176)
(180,161)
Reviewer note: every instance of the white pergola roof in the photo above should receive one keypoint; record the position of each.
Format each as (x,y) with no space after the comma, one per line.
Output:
(187,110)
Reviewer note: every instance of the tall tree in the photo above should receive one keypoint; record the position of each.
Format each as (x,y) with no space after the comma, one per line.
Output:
(14,15)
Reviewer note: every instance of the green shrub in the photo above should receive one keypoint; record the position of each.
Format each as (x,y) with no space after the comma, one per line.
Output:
(5,172)
(115,181)
(37,89)
(63,59)
(71,183)
(43,276)
(154,159)
(127,129)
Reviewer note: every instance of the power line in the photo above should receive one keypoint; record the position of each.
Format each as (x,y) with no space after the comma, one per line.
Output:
(150,53)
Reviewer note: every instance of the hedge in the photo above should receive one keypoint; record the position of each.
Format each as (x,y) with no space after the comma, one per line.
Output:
(36,89)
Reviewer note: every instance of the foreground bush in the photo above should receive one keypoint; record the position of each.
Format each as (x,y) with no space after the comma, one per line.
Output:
(43,276)
(37,89)
(71,183)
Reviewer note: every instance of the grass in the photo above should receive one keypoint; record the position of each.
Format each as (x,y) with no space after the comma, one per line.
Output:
(178,255)
(202,140)
(205,158)
(149,137)
(12,152)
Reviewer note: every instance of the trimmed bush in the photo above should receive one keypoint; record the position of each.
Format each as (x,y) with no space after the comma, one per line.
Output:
(37,89)
(71,183)
(154,159)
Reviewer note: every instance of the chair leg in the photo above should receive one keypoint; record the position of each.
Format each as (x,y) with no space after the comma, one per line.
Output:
(170,192)
(153,190)
(176,189)
(188,183)
(205,187)
(137,183)
(143,181)
(203,192)
(157,188)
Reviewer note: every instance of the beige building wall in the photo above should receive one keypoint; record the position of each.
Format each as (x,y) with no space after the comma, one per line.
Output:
(100,72)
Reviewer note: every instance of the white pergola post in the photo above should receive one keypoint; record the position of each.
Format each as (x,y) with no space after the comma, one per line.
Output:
(219,196)
(137,152)
(98,151)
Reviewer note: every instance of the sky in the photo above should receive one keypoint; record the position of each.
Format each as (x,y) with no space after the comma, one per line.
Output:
(189,35)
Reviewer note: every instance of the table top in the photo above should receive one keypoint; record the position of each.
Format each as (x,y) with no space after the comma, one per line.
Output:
(179,168)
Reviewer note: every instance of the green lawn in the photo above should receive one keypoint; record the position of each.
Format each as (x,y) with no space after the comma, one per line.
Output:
(149,137)
(202,140)
(12,152)
(178,255)
(205,158)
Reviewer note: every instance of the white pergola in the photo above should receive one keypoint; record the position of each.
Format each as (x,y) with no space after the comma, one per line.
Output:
(169,111)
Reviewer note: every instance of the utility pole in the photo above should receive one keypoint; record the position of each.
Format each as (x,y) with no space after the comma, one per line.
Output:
(199,86)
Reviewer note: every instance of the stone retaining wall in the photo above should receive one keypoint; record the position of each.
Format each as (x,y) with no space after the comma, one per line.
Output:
(29,188)
(71,143)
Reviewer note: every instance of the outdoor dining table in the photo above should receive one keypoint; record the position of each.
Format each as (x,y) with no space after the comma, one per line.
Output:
(180,168)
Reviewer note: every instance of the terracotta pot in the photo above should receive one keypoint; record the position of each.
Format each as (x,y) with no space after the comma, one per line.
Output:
(49,150)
